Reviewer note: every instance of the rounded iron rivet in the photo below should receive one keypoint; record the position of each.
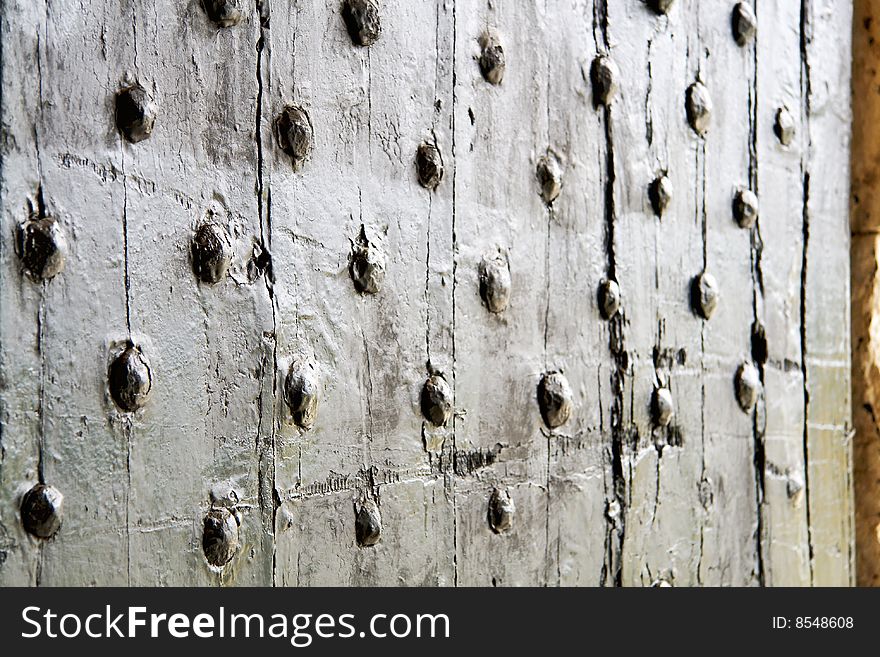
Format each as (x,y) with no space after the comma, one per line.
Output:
(429,165)
(704,295)
(759,343)
(660,194)
(747,384)
(42,247)
(130,378)
(42,510)
(699,107)
(745,208)
(609,298)
(301,393)
(294,134)
(436,400)
(784,126)
(366,264)
(368,523)
(660,6)
(555,399)
(662,407)
(603,76)
(794,487)
(135,113)
(211,249)
(744,23)
(225,13)
(492,62)
(501,510)
(495,282)
(220,536)
(362,21)
(549,173)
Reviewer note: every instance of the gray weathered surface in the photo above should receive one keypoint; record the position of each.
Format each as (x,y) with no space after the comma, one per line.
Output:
(717,497)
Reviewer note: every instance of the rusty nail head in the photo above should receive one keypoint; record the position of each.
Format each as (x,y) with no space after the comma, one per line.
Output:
(747,385)
(744,23)
(220,536)
(609,298)
(555,399)
(603,76)
(130,379)
(699,107)
(436,400)
(301,393)
(42,247)
(225,13)
(784,126)
(494,274)
(211,250)
(41,511)
(367,523)
(135,113)
(745,207)
(294,134)
(549,173)
(362,20)
(660,194)
(366,264)
(704,295)
(492,61)
(429,165)
(501,510)
(661,6)
(662,407)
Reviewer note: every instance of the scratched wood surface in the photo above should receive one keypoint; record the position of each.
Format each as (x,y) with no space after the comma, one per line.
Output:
(611,497)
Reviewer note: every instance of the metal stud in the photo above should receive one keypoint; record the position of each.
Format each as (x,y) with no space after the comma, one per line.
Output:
(492,62)
(747,385)
(301,393)
(661,6)
(135,113)
(41,511)
(555,399)
(362,21)
(660,194)
(784,127)
(436,400)
(220,536)
(42,247)
(699,107)
(745,208)
(704,295)
(495,282)
(130,379)
(549,173)
(429,165)
(367,523)
(662,407)
(211,250)
(609,298)
(225,13)
(366,264)
(603,76)
(744,23)
(294,134)
(501,510)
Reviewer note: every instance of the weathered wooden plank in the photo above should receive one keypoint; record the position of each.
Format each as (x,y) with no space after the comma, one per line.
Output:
(662,335)
(826,295)
(499,358)
(728,554)
(780,244)
(577,336)
(369,107)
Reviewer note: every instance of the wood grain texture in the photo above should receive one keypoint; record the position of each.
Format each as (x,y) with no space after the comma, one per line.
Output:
(718,497)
